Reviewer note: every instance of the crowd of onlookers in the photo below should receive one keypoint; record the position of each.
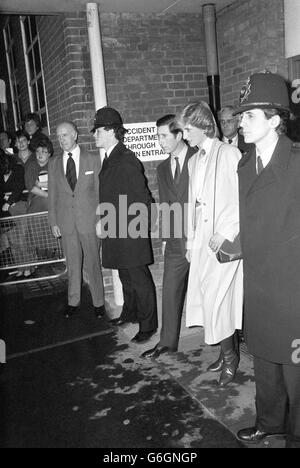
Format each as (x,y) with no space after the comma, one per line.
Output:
(23,181)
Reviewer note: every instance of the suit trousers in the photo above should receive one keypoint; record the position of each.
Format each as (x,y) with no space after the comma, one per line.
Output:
(140,304)
(176,270)
(278,399)
(76,246)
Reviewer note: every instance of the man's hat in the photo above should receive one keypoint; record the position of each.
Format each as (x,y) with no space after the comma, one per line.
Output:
(264,90)
(105,117)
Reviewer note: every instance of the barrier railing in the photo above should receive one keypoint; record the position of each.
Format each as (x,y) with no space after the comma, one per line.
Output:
(26,242)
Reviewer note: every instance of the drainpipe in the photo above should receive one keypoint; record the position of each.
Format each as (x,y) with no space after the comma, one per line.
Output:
(96,56)
(213,77)
(100,96)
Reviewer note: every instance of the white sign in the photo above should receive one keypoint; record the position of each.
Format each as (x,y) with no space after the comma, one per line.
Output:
(292,27)
(141,138)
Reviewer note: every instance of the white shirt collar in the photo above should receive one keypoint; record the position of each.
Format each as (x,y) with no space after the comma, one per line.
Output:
(75,156)
(267,154)
(181,158)
(234,141)
(110,149)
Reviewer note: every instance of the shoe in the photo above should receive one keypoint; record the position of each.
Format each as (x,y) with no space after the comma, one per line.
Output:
(140,337)
(70,310)
(252,435)
(218,365)
(156,351)
(118,321)
(231,362)
(99,311)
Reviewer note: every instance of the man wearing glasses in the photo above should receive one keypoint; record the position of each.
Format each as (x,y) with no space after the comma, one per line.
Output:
(229,124)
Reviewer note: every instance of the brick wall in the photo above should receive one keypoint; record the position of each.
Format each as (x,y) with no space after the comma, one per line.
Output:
(153,64)
(250,39)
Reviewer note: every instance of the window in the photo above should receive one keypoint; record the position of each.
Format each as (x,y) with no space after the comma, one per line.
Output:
(34,69)
(12,67)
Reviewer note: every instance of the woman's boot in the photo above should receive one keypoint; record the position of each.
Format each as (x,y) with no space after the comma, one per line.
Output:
(231,361)
(218,365)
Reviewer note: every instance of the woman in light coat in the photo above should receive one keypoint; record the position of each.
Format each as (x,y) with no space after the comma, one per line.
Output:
(215,290)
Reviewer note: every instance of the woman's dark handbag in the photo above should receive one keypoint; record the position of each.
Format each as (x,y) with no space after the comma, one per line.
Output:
(229,251)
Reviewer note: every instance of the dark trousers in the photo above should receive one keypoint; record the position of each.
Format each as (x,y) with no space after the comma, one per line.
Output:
(176,269)
(139,293)
(278,399)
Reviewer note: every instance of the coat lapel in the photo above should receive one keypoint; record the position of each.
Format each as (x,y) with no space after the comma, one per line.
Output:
(82,166)
(273,171)
(168,175)
(184,177)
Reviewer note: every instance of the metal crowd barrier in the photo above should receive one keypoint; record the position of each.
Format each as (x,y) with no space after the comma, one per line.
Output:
(26,242)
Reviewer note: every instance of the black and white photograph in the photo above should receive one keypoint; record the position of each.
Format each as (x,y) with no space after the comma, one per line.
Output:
(149,226)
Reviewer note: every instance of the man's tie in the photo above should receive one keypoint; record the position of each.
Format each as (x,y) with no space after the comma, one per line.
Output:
(230,141)
(71,172)
(177,172)
(260,165)
(104,162)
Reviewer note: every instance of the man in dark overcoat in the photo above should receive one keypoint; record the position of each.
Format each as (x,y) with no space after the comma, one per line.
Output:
(173,185)
(269,178)
(124,227)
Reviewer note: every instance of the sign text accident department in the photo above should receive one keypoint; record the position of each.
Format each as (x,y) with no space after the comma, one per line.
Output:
(141,138)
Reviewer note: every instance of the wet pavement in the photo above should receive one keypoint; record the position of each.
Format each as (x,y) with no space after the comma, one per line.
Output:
(82,383)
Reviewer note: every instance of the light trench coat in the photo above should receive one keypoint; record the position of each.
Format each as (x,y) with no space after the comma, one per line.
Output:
(215,290)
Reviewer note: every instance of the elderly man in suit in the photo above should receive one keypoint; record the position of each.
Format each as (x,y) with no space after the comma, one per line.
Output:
(73,196)
(173,183)
(229,124)
(123,189)
(270,237)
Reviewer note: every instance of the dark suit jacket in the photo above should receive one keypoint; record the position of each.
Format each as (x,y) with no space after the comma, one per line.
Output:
(169,193)
(270,238)
(123,175)
(69,210)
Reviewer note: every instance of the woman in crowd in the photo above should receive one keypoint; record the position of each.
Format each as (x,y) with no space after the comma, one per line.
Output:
(12,185)
(36,181)
(24,155)
(36,178)
(215,290)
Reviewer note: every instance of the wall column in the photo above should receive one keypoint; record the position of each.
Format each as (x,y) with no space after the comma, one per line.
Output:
(100,96)
(213,77)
